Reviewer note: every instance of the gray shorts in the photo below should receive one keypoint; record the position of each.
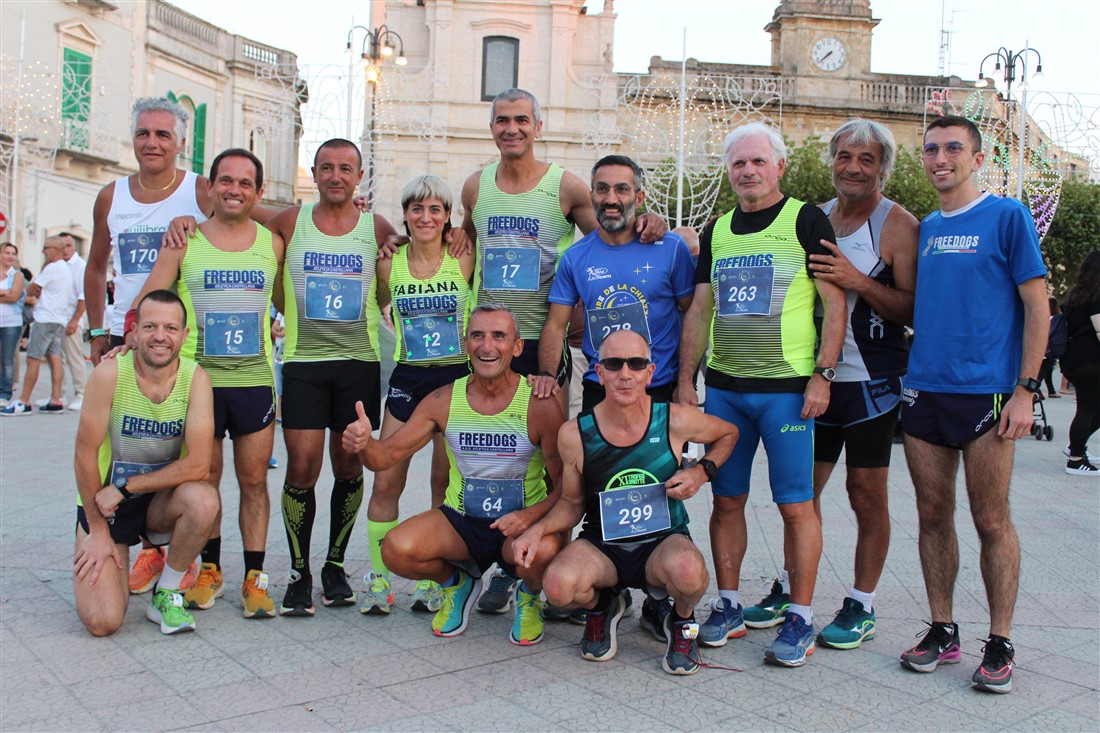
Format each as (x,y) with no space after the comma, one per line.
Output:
(45,340)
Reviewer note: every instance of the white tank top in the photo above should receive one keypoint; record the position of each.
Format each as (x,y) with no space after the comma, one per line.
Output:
(136,233)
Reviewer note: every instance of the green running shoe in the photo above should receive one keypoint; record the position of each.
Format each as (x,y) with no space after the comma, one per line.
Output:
(850,627)
(167,609)
(378,597)
(428,596)
(527,627)
(769,612)
(458,599)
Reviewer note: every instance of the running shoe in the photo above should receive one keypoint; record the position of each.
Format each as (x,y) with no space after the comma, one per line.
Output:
(724,623)
(653,616)
(1087,456)
(940,644)
(335,590)
(427,597)
(378,598)
(458,600)
(190,577)
(166,608)
(16,408)
(995,672)
(681,647)
(1081,468)
(298,600)
(272,462)
(558,613)
(497,598)
(255,602)
(851,626)
(793,643)
(578,615)
(601,628)
(52,408)
(147,569)
(77,403)
(769,612)
(527,626)
(208,588)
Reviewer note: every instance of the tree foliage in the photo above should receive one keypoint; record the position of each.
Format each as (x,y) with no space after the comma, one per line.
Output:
(909,187)
(1074,232)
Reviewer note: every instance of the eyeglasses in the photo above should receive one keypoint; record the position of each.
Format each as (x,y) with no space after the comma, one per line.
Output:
(931,150)
(615,363)
(622,189)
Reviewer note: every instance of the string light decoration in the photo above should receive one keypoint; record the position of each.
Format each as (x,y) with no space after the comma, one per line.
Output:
(644,119)
(1062,138)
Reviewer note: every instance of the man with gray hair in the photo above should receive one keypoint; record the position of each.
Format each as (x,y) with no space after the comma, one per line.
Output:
(755,297)
(130,218)
(875,261)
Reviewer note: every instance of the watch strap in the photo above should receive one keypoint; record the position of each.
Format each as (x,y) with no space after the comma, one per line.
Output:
(1031,385)
(709,468)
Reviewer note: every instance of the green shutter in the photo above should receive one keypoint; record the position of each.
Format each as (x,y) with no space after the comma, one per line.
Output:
(171,97)
(199,141)
(76,86)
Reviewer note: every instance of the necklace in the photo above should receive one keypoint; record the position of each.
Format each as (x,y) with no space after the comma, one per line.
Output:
(434,268)
(157,190)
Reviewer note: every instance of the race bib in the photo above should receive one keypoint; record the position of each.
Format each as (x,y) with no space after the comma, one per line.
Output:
(602,322)
(492,498)
(137,251)
(511,268)
(745,291)
(231,334)
(127,469)
(429,337)
(333,298)
(634,512)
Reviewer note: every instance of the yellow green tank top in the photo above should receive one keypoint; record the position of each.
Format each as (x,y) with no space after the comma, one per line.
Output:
(430,315)
(495,468)
(520,238)
(143,436)
(329,292)
(228,294)
(763,323)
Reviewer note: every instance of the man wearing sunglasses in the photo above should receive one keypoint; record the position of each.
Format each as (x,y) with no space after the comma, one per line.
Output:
(875,261)
(980,321)
(622,285)
(621,473)
(755,298)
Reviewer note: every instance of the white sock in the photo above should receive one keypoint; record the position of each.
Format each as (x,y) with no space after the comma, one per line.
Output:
(731,596)
(806,612)
(785,581)
(867,599)
(171,579)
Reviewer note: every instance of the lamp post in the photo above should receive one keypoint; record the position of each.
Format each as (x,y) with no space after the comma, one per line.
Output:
(378,45)
(1015,65)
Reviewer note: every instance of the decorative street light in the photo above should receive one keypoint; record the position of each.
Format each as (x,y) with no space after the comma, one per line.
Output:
(377,46)
(1015,65)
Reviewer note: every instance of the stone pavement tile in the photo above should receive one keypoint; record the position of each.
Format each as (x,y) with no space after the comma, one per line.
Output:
(24,693)
(560,701)
(319,682)
(345,648)
(155,711)
(1085,703)
(633,684)
(1064,669)
(70,718)
(418,724)
(100,659)
(361,710)
(683,709)
(1054,719)
(509,676)
(385,669)
(439,693)
(273,655)
(928,716)
(18,583)
(42,617)
(455,653)
(806,712)
(634,716)
(219,701)
(491,714)
(742,690)
(286,717)
(855,696)
(185,667)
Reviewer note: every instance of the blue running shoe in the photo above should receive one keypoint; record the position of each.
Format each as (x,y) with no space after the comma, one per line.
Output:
(458,600)
(850,627)
(793,643)
(725,622)
(653,616)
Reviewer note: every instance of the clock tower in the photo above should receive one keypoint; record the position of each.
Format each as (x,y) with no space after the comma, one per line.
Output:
(827,39)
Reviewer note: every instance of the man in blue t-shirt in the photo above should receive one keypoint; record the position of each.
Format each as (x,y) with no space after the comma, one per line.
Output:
(980,320)
(622,284)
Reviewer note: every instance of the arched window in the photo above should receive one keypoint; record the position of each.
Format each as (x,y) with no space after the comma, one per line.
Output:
(499,65)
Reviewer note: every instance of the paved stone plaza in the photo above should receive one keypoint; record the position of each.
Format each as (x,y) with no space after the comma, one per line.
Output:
(344,671)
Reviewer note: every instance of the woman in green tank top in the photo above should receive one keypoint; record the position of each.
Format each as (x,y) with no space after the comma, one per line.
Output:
(428,292)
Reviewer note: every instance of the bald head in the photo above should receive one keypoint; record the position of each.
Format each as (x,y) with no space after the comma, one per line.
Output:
(53,248)
(625,344)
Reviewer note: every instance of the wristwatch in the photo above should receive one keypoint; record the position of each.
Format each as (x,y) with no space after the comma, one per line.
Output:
(1031,385)
(827,372)
(709,468)
(120,484)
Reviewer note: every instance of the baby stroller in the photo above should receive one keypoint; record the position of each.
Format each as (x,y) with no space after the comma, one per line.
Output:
(1039,428)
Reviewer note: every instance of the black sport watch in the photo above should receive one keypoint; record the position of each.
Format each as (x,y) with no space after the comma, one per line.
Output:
(709,468)
(827,372)
(1031,385)
(120,484)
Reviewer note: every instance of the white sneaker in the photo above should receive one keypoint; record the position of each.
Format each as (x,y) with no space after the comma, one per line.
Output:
(76,404)
(1065,452)
(3,403)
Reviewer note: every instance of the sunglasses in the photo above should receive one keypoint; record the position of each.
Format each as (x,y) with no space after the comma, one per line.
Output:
(931,150)
(615,363)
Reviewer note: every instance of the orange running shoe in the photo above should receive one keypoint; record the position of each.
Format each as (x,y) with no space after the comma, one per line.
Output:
(147,569)
(208,588)
(255,601)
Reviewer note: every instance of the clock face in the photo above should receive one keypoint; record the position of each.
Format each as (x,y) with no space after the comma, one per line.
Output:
(829,54)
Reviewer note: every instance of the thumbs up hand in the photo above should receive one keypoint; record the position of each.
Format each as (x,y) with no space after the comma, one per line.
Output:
(357,434)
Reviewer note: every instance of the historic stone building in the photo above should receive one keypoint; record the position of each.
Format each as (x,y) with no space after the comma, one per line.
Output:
(71,70)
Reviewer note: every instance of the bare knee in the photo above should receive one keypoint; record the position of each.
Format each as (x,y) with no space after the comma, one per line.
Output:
(400,550)
(201,500)
(559,582)
(690,574)
(729,508)
(992,523)
(99,622)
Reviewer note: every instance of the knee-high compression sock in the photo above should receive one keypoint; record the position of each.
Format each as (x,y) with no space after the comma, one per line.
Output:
(212,552)
(376,531)
(347,497)
(299,511)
